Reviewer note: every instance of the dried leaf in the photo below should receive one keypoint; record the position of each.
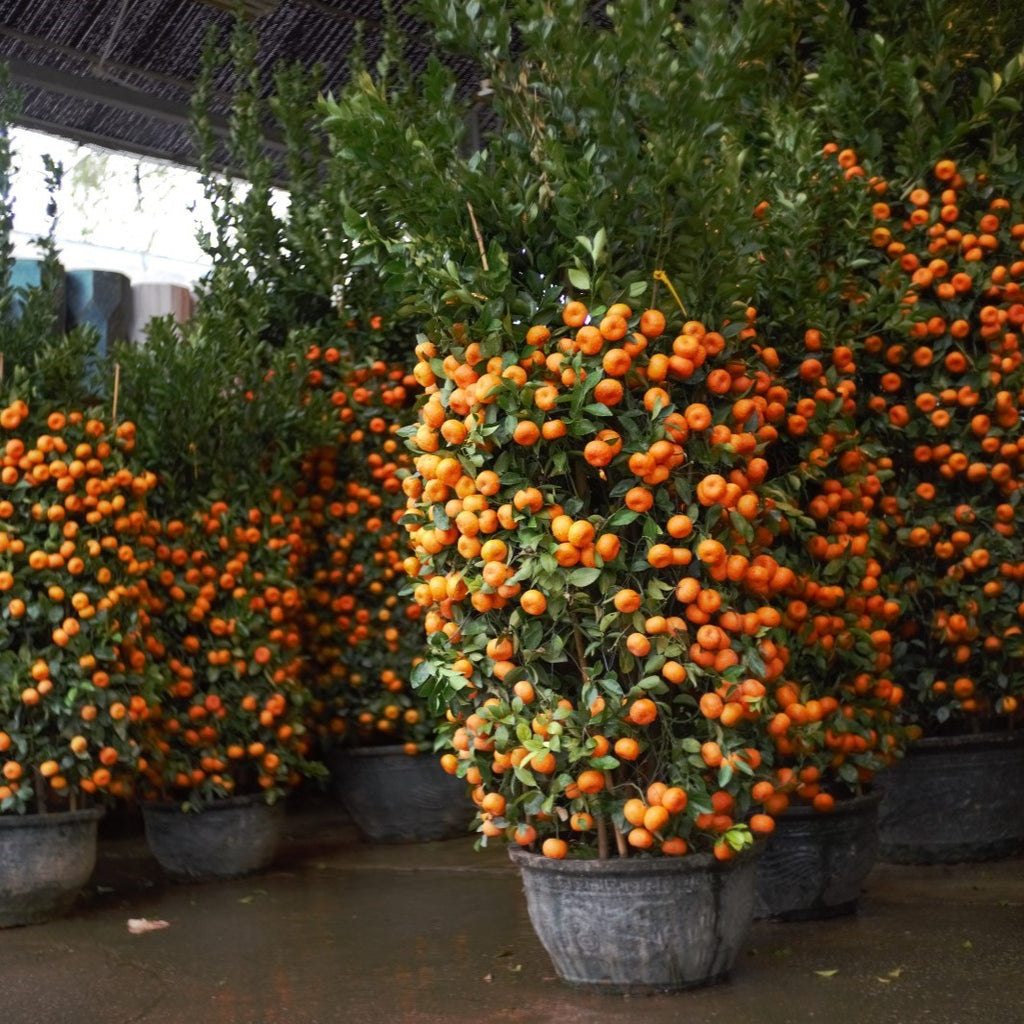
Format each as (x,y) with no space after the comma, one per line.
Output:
(140,925)
(827,974)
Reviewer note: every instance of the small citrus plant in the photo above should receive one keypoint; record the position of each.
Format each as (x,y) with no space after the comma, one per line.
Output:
(74,695)
(838,720)
(360,638)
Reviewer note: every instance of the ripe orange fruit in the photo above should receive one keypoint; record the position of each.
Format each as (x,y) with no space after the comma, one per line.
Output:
(524,834)
(643,711)
(652,323)
(626,748)
(640,838)
(638,645)
(494,803)
(574,314)
(633,810)
(555,848)
(674,800)
(655,818)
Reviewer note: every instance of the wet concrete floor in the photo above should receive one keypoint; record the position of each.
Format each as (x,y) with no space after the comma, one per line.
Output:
(340,932)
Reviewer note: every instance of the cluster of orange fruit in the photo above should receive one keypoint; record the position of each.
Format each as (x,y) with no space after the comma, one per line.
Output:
(922,347)
(947,400)
(222,640)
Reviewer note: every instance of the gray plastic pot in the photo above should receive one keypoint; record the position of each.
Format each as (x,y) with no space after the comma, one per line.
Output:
(45,859)
(954,799)
(814,865)
(227,839)
(395,797)
(640,925)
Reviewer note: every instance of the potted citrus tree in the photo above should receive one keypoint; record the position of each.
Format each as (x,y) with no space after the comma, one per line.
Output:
(601,563)
(944,376)
(604,650)
(227,732)
(838,718)
(75,695)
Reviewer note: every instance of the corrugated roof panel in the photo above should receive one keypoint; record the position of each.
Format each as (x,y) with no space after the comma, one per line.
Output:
(123,73)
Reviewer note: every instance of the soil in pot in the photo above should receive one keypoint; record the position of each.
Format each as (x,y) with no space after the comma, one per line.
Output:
(633,925)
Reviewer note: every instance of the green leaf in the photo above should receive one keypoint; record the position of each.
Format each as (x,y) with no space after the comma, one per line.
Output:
(579,279)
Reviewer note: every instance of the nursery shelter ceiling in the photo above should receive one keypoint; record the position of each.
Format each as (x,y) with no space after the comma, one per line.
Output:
(120,73)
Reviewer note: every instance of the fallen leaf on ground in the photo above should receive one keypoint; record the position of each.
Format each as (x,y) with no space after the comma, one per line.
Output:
(826,974)
(139,925)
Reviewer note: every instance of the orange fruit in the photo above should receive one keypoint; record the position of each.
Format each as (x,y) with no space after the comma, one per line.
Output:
(553,847)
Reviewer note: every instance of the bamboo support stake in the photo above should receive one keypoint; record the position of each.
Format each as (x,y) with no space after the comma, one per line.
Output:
(479,237)
(114,396)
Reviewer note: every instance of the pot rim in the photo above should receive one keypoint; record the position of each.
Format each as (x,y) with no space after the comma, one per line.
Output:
(690,863)
(50,818)
(938,744)
(854,805)
(390,749)
(225,803)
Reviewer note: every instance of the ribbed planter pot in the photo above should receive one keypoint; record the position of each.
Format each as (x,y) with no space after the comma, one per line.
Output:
(45,859)
(102,300)
(638,925)
(227,839)
(152,300)
(394,797)
(814,865)
(954,799)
